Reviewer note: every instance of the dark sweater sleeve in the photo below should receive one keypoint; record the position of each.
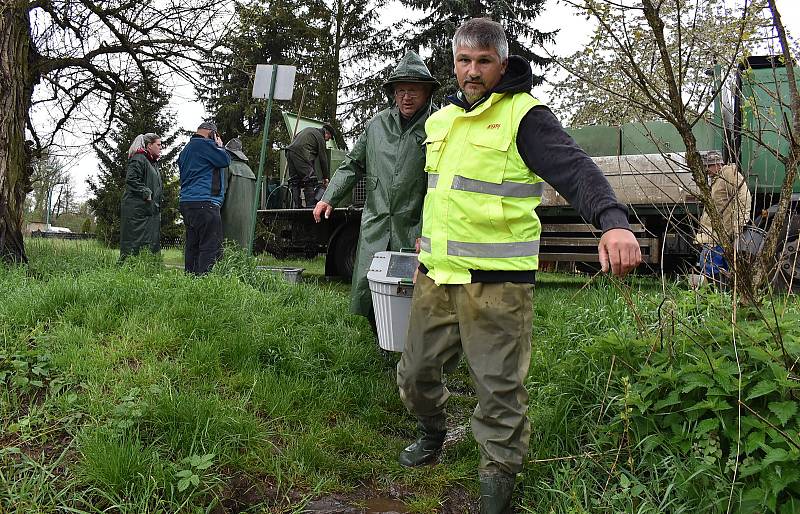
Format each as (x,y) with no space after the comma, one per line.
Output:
(553,155)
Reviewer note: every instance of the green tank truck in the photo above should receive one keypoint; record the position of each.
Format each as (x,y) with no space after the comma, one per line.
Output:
(646,167)
(761,108)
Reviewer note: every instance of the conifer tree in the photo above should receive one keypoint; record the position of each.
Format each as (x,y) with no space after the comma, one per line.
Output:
(353,58)
(435,32)
(269,32)
(145,113)
(340,53)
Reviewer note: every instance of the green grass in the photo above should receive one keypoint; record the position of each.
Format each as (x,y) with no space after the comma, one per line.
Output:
(624,376)
(276,380)
(314,268)
(137,388)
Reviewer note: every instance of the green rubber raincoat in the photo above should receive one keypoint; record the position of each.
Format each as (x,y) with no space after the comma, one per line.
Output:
(392,156)
(140,211)
(240,193)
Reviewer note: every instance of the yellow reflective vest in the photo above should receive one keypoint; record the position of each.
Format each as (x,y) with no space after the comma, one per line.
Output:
(479,208)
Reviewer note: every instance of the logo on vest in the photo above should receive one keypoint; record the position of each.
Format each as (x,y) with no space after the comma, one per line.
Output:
(493,126)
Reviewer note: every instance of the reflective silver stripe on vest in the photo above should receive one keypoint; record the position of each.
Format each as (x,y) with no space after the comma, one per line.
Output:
(524,249)
(433,179)
(510,189)
(425,244)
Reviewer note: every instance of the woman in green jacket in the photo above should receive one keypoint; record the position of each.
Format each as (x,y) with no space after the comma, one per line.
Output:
(140,212)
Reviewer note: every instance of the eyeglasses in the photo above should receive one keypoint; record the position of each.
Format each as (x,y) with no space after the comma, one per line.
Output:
(400,93)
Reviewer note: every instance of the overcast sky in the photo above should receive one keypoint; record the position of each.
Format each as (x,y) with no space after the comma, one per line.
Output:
(574,33)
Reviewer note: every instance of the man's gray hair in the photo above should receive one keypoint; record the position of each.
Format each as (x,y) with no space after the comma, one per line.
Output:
(151,137)
(481,33)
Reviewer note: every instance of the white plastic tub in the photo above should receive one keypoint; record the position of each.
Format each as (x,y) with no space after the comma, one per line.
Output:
(390,281)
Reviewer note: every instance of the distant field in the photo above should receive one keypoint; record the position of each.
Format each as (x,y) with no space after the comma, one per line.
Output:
(136,388)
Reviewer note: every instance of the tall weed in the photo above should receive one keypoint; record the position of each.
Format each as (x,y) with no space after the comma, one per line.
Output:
(692,413)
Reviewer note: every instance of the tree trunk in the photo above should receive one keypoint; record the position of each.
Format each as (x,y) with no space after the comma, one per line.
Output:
(16,88)
(772,244)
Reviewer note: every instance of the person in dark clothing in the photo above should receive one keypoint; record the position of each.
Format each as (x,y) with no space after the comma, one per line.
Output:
(202,179)
(307,149)
(140,209)
(488,154)
(240,193)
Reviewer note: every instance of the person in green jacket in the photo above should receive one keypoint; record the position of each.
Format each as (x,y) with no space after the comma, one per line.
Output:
(140,211)
(390,153)
(240,193)
(306,153)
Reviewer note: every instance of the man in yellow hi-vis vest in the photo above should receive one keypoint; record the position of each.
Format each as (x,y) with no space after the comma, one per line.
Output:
(487,156)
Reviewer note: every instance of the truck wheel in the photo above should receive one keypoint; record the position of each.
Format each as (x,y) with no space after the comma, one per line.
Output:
(344,251)
(787,274)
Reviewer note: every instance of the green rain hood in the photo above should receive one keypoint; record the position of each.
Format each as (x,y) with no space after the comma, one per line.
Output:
(392,158)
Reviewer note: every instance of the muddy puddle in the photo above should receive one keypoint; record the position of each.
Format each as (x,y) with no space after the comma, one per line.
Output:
(384,506)
(369,506)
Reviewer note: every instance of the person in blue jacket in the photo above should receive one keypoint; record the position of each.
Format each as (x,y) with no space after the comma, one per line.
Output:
(202,163)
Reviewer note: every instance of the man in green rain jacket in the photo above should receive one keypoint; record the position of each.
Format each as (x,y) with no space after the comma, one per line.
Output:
(240,193)
(391,154)
(140,211)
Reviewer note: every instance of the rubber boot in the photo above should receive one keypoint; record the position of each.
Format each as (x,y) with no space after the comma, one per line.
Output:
(429,444)
(497,488)
(297,200)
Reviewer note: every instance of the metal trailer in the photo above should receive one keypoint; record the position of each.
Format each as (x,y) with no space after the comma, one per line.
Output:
(293,232)
(646,167)
(284,231)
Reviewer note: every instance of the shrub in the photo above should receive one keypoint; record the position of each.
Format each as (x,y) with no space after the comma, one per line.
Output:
(711,408)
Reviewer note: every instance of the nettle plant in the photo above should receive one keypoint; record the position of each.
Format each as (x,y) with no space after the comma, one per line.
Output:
(193,468)
(35,389)
(26,372)
(723,400)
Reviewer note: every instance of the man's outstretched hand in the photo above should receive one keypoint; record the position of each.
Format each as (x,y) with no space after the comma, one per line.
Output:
(619,251)
(321,208)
